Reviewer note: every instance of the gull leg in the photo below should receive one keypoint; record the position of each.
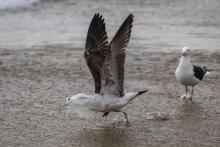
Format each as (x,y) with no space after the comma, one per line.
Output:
(184,96)
(126,117)
(190,97)
(105,114)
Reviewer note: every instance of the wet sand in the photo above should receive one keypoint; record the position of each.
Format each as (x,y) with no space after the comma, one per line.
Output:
(35,82)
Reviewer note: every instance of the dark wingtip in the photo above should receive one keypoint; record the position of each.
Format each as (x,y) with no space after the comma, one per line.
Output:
(141,92)
(97,17)
(131,15)
(205,69)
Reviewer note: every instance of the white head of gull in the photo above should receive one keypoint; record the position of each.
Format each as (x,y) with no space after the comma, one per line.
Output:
(188,74)
(106,64)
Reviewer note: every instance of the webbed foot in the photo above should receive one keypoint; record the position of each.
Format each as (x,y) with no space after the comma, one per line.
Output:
(189,97)
(105,114)
(183,97)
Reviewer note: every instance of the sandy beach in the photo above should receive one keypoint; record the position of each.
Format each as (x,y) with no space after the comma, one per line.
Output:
(35,82)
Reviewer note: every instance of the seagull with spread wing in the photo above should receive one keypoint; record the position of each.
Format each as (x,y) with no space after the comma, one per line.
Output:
(106,64)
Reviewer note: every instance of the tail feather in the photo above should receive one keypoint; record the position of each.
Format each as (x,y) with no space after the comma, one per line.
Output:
(207,71)
(137,94)
(141,92)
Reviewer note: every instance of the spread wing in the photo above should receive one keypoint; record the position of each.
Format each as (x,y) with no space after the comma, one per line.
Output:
(96,48)
(118,46)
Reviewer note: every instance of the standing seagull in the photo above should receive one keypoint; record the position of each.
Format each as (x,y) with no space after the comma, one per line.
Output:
(188,74)
(106,64)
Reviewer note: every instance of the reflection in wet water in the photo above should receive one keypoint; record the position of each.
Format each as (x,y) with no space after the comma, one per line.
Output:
(107,136)
(192,111)
(189,117)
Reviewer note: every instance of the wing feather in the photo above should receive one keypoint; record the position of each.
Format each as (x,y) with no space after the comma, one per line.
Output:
(96,48)
(199,72)
(118,47)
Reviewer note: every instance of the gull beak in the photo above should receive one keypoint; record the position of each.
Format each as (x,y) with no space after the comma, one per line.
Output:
(61,107)
(180,53)
(183,53)
(65,104)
